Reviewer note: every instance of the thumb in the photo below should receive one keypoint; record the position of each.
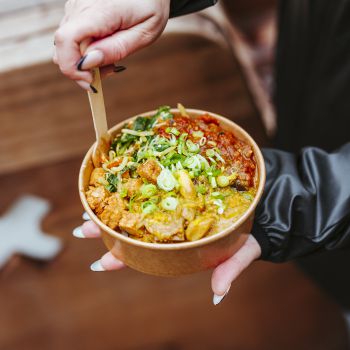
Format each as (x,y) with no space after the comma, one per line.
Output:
(229,270)
(122,43)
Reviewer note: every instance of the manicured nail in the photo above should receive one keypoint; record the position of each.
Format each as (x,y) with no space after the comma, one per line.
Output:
(86,216)
(96,266)
(94,90)
(118,69)
(90,60)
(218,298)
(78,233)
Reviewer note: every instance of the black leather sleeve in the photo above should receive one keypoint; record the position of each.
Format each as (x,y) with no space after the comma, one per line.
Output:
(306,203)
(183,7)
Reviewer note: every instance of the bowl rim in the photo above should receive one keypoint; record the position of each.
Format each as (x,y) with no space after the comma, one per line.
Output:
(181,245)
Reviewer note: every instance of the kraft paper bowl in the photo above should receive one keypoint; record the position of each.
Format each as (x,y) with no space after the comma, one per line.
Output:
(174,259)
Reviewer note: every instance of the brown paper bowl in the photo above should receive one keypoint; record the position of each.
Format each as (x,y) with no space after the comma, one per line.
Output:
(176,259)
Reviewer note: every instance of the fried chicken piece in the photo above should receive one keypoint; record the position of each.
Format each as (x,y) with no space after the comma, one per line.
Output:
(96,197)
(131,223)
(149,170)
(164,226)
(132,186)
(97,177)
(113,211)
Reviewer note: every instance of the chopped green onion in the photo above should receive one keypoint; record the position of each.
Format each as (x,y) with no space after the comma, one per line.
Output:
(183,136)
(123,192)
(137,133)
(217,195)
(204,163)
(148,207)
(201,189)
(173,131)
(166,180)
(210,152)
(218,157)
(198,134)
(220,204)
(112,182)
(148,190)
(223,181)
(202,141)
(110,188)
(169,203)
(192,163)
(164,113)
(173,140)
(212,182)
(212,143)
(166,151)
(192,147)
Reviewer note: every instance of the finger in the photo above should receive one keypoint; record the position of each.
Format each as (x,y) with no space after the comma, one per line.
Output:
(121,44)
(88,230)
(229,270)
(107,263)
(67,40)
(111,70)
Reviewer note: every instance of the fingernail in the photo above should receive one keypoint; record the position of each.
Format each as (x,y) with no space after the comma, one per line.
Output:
(78,233)
(96,266)
(86,86)
(218,298)
(86,216)
(90,60)
(94,90)
(118,69)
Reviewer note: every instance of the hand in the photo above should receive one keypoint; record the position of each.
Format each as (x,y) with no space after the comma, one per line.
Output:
(114,28)
(222,277)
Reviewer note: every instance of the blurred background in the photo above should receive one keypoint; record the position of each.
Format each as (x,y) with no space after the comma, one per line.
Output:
(220,60)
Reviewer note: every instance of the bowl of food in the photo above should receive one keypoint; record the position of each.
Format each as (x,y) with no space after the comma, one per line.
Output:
(176,193)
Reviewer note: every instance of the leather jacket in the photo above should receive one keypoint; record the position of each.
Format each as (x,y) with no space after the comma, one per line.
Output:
(306,203)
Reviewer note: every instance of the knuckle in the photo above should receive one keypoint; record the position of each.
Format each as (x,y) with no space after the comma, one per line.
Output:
(67,71)
(60,36)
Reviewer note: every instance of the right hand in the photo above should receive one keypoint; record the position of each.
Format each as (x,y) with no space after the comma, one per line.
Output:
(222,277)
(115,28)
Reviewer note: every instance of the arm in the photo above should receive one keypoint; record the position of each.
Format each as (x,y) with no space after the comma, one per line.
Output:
(306,204)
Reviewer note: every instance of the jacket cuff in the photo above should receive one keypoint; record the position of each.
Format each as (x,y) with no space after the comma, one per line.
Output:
(184,7)
(263,240)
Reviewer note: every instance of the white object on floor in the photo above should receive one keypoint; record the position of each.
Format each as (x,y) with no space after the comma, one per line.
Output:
(20,231)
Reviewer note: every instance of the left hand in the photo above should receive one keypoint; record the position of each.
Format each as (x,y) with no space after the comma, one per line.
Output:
(223,275)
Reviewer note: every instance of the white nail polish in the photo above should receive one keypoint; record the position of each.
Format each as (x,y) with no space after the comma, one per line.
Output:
(86,216)
(97,266)
(78,233)
(218,298)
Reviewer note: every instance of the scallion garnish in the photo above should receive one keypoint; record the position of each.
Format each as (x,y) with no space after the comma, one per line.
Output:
(169,203)
(166,180)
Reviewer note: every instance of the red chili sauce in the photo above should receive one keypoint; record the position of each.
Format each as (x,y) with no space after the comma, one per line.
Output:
(238,155)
